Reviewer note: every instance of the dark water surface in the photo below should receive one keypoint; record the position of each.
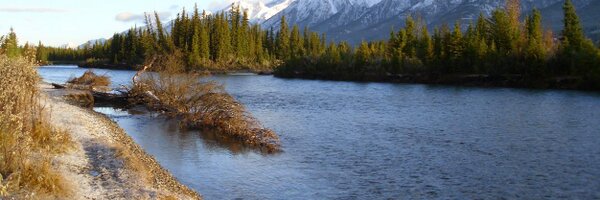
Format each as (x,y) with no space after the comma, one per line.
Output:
(345,140)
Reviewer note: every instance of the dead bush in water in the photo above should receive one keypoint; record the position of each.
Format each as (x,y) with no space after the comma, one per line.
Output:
(90,79)
(200,103)
(84,99)
(27,139)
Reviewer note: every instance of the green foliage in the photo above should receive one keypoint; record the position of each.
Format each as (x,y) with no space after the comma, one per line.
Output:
(498,45)
(577,55)
(283,41)
(9,46)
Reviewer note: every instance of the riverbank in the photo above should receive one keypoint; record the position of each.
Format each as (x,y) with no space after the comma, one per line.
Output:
(125,66)
(470,80)
(106,163)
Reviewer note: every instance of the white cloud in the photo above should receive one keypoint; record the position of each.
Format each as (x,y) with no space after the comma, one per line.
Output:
(129,17)
(174,7)
(32,10)
(221,4)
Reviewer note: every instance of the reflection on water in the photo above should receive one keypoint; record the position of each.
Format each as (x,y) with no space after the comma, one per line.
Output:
(345,140)
(155,125)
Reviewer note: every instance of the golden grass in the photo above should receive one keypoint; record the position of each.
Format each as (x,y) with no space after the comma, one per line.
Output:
(89,78)
(27,140)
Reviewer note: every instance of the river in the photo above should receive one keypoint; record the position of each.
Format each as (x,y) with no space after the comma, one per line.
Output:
(347,140)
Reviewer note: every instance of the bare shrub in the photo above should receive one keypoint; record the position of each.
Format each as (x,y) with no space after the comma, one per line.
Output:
(200,103)
(27,139)
(89,78)
(83,99)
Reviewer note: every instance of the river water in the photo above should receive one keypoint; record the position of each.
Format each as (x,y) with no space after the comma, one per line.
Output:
(346,140)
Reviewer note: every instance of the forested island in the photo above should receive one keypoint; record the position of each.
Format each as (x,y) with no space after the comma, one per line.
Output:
(504,49)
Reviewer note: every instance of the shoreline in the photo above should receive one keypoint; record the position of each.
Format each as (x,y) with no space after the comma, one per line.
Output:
(464,80)
(84,65)
(106,163)
(467,80)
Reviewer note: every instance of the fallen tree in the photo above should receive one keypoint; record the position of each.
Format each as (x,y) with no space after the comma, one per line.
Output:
(198,103)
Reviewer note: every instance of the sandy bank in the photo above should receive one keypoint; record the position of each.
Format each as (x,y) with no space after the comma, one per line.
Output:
(106,163)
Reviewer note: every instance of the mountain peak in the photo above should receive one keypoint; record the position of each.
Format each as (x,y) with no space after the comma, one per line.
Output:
(356,20)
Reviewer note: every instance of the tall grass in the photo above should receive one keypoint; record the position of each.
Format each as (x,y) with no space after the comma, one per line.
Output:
(201,104)
(27,140)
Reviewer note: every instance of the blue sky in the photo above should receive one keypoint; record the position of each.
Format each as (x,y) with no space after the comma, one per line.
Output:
(73,22)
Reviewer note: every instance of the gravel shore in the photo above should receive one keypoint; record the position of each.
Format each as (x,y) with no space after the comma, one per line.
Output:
(105,162)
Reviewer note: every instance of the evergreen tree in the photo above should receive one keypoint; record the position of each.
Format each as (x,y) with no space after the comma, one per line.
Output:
(535,43)
(165,42)
(535,51)
(195,57)
(296,43)
(425,47)
(578,53)
(410,37)
(9,45)
(41,53)
(572,35)
(243,37)
(283,41)
(204,38)
(456,46)
(501,32)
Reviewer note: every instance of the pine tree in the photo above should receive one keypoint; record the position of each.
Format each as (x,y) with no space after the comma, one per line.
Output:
(296,43)
(501,32)
(363,55)
(41,53)
(535,51)
(456,45)
(234,15)
(204,38)
(194,58)
(482,27)
(425,47)
(283,41)
(410,37)
(165,42)
(243,36)
(9,45)
(572,35)
(578,53)
(535,45)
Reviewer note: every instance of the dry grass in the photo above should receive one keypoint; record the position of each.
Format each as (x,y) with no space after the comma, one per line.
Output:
(27,141)
(89,78)
(200,104)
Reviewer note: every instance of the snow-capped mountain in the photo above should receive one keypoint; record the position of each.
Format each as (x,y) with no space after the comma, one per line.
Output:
(90,43)
(356,20)
(260,11)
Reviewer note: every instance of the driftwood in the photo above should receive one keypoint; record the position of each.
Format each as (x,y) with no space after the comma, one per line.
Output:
(58,86)
(104,97)
(138,73)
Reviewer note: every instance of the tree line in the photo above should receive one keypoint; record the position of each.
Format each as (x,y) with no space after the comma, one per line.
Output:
(504,43)
(9,46)
(222,41)
(499,45)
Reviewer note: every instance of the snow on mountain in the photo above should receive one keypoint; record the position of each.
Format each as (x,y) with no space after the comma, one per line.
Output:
(312,13)
(356,20)
(259,10)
